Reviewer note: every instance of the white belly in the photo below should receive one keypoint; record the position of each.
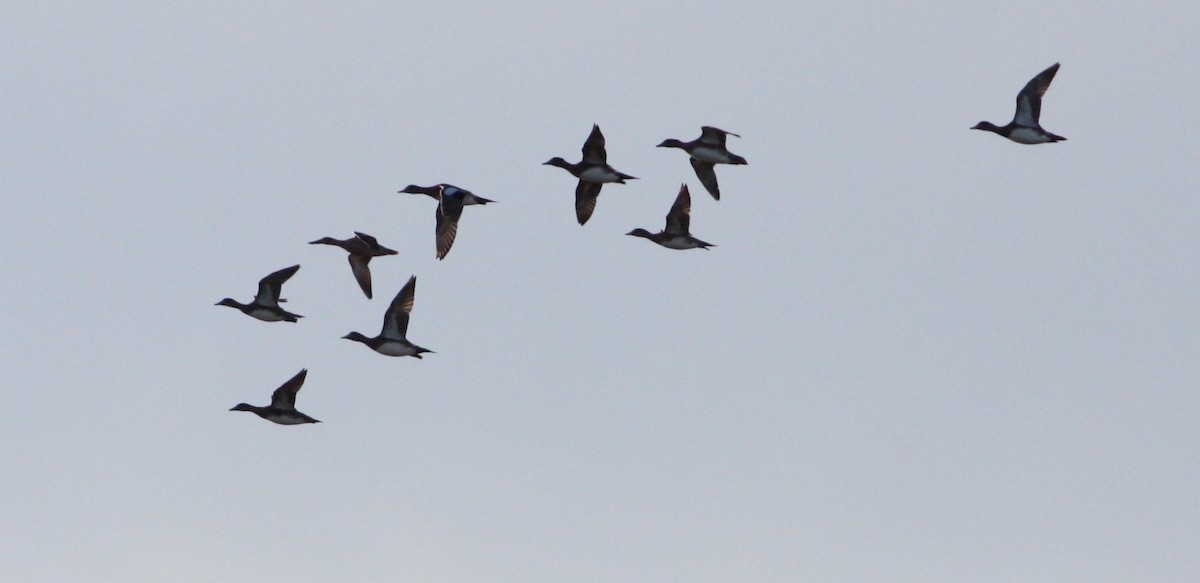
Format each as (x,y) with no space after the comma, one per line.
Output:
(287,420)
(396,349)
(710,155)
(679,243)
(600,175)
(1028,136)
(266,315)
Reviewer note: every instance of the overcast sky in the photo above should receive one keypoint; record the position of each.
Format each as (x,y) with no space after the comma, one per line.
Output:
(918,353)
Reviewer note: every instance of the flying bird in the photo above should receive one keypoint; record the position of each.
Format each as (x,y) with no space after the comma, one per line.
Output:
(265,306)
(391,340)
(1025,127)
(361,247)
(451,200)
(282,409)
(675,235)
(469,198)
(592,171)
(706,151)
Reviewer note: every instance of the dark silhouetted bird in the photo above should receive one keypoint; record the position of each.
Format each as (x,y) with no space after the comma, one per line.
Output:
(705,152)
(1025,127)
(391,339)
(265,306)
(675,235)
(451,200)
(362,247)
(592,171)
(282,409)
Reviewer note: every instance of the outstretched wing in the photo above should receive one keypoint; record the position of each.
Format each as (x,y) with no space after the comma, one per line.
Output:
(711,135)
(371,242)
(707,175)
(285,396)
(395,320)
(372,245)
(448,212)
(269,286)
(362,272)
(679,217)
(1029,100)
(593,148)
(586,194)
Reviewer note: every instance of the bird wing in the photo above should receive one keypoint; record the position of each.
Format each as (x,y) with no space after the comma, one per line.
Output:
(285,396)
(1029,100)
(593,148)
(395,320)
(707,175)
(679,217)
(362,272)
(586,194)
(371,242)
(711,135)
(448,212)
(270,286)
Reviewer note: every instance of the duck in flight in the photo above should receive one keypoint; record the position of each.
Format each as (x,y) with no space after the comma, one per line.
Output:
(469,198)
(265,306)
(676,235)
(451,200)
(1025,127)
(391,340)
(282,409)
(592,171)
(706,151)
(362,247)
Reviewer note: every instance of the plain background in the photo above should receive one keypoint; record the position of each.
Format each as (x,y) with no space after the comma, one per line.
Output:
(918,353)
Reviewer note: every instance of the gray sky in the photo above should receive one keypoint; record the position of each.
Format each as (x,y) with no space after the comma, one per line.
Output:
(918,353)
